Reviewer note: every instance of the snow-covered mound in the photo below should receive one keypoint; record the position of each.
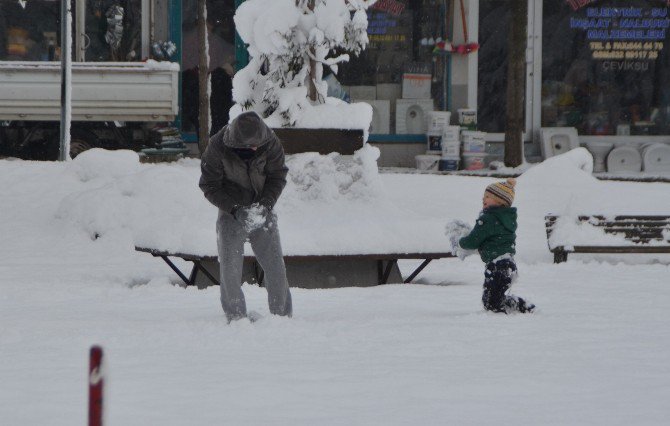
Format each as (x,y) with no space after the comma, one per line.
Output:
(331,205)
(332,179)
(154,204)
(563,185)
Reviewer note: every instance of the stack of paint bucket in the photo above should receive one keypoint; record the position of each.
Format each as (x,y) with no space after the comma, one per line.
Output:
(451,148)
(439,136)
(437,121)
(473,142)
(474,149)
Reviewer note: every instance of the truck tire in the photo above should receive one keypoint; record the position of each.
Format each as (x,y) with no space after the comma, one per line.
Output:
(80,140)
(78,145)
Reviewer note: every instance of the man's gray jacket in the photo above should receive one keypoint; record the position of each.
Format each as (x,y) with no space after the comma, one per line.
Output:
(228,181)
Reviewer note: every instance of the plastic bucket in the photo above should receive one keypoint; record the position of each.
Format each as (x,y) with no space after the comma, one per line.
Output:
(427,162)
(451,149)
(449,163)
(467,118)
(474,161)
(451,134)
(473,141)
(474,146)
(434,142)
(438,120)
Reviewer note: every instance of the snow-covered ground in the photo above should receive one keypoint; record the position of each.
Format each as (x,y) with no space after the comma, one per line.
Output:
(595,352)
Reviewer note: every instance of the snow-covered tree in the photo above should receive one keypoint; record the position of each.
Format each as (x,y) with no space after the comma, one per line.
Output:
(289,42)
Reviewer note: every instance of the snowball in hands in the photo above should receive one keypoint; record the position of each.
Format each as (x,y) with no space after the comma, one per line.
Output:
(455,230)
(252,217)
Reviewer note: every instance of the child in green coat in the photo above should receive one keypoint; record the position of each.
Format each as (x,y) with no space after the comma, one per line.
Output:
(494,236)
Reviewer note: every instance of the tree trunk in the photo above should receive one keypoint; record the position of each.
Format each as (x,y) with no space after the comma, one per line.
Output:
(311,87)
(311,77)
(203,78)
(516,84)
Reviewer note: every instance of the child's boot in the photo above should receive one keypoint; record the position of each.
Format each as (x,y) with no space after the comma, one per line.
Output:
(525,307)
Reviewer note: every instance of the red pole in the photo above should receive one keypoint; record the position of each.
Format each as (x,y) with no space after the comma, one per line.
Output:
(96,384)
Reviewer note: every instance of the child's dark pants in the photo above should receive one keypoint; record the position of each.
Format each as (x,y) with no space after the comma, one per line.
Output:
(498,278)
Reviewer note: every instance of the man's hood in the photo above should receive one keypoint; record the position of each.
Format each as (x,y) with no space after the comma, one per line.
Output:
(247,130)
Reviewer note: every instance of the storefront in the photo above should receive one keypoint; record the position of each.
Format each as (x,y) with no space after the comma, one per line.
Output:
(407,71)
(399,69)
(600,66)
(606,68)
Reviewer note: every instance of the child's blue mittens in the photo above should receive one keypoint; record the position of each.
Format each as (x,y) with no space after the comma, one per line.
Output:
(455,230)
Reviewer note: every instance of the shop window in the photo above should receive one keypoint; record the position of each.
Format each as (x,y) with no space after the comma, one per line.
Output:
(221,36)
(113,30)
(494,25)
(606,66)
(402,36)
(31,33)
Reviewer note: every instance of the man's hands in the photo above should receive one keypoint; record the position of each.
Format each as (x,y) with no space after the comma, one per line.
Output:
(251,217)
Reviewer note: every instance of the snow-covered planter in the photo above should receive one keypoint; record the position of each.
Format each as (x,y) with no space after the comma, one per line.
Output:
(289,42)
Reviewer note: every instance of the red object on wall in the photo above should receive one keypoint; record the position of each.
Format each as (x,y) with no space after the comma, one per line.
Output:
(95,386)
(461,49)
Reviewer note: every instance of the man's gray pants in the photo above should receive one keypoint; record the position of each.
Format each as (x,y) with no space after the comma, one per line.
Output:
(266,245)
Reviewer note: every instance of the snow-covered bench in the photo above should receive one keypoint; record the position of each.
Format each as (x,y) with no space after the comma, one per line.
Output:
(307,271)
(600,234)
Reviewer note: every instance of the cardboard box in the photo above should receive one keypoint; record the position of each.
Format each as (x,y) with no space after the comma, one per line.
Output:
(362,92)
(416,86)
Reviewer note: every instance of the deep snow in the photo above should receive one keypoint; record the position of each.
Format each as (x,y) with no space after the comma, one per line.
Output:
(595,352)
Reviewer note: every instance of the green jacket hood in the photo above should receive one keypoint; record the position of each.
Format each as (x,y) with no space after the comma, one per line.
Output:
(505,215)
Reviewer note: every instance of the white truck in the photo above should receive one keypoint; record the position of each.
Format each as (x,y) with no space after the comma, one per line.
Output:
(114,105)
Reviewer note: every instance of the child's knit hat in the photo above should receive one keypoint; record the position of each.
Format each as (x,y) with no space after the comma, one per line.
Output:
(503,191)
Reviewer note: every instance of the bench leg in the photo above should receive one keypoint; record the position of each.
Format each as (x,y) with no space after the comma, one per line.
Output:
(560,256)
(206,272)
(383,277)
(418,270)
(260,274)
(177,271)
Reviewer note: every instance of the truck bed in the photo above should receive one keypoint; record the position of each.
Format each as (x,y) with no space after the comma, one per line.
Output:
(101,91)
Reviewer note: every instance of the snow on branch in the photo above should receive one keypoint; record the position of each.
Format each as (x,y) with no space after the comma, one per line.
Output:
(289,41)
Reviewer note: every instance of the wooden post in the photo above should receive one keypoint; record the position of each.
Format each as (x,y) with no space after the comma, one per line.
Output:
(95,387)
(516,84)
(203,78)
(311,87)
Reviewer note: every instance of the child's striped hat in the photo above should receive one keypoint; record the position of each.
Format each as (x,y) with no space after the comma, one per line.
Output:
(504,191)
